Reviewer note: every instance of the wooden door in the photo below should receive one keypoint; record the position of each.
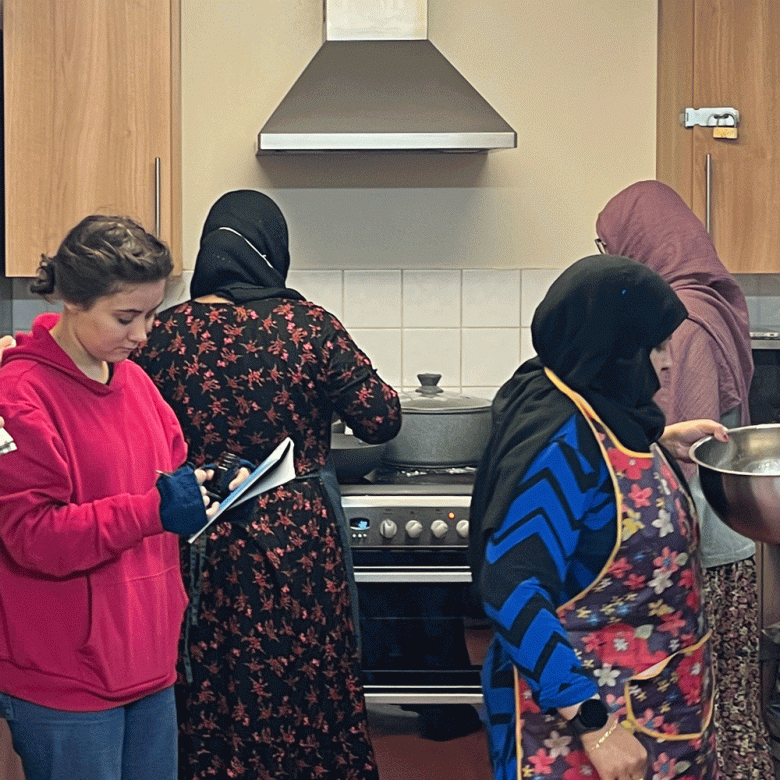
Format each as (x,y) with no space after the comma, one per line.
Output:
(737,63)
(674,147)
(724,53)
(91,105)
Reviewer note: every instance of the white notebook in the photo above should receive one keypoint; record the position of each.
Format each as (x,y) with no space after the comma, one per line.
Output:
(7,444)
(276,469)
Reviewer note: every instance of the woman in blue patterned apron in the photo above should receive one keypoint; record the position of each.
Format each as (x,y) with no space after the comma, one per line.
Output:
(584,545)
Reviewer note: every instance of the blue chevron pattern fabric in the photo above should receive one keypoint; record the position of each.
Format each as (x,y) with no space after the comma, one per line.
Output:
(556,537)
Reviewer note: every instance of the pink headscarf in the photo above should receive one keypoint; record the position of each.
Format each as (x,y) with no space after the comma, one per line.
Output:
(650,223)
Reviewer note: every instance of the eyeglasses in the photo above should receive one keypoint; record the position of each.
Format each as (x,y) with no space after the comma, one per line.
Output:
(601,246)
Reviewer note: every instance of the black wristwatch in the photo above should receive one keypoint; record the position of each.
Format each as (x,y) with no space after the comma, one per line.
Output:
(591,716)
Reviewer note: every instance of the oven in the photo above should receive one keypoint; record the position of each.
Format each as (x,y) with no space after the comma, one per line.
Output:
(409,540)
(765,388)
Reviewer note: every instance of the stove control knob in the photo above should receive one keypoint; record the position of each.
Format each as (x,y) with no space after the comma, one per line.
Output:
(462,528)
(388,529)
(439,529)
(414,529)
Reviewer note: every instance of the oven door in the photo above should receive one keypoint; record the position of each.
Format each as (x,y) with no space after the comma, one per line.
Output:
(414,629)
(764,396)
(410,560)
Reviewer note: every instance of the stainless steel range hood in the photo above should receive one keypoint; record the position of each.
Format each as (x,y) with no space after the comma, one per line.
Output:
(378,84)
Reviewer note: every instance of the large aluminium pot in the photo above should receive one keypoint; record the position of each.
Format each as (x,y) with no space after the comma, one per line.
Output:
(439,429)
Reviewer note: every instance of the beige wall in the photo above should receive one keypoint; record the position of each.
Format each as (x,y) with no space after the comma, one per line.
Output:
(575,78)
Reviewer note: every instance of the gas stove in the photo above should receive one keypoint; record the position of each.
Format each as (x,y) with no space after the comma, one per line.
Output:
(409,538)
(414,518)
(410,510)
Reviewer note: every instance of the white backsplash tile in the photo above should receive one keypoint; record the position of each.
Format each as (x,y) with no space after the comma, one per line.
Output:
(762,293)
(431,299)
(325,288)
(459,323)
(490,355)
(534,285)
(177,290)
(20,288)
(750,284)
(490,299)
(25,310)
(6,313)
(769,284)
(372,299)
(754,309)
(527,350)
(383,347)
(431,351)
(768,314)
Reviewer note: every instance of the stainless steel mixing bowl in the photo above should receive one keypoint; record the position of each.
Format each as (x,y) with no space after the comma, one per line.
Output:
(740,479)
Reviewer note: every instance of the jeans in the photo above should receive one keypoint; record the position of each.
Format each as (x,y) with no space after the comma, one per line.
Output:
(133,742)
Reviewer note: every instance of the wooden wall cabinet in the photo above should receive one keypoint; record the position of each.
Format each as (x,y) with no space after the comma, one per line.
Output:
(91,120)
(724,53)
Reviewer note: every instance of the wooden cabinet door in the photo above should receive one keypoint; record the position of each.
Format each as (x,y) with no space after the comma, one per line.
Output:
(737,63)
(91,119)
(724,53)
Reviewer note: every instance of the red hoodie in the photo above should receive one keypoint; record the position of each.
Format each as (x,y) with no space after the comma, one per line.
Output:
(91,597)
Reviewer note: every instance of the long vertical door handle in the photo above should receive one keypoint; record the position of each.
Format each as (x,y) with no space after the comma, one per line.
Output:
(708,196)
(157,197)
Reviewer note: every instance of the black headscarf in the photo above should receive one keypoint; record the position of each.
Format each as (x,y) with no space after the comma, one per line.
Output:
(594,330)
(244,254)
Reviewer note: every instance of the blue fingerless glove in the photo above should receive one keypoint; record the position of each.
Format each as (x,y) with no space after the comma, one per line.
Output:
(181,502)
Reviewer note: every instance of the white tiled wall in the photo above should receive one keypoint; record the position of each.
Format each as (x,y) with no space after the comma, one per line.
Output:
(762,292)
(470,326)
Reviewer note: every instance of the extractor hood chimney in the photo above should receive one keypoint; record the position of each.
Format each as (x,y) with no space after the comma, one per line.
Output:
(378,84)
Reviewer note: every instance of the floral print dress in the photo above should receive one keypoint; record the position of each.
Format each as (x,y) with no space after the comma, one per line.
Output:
(269,681)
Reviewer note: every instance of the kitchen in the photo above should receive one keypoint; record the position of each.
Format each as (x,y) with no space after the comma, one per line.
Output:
(430,257)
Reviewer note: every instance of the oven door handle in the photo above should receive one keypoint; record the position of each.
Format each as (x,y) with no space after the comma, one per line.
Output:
(398,575)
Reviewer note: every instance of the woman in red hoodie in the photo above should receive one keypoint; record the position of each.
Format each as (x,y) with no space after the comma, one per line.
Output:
(91,597)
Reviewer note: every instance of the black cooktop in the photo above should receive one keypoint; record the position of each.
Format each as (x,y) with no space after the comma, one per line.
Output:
(457,480)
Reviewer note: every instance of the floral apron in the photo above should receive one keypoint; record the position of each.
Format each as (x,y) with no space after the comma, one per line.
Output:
(639,628)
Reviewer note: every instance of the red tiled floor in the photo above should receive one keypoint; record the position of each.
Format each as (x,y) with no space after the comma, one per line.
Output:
(402,754)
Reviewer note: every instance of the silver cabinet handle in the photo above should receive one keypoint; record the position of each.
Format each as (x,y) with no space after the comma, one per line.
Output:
(157,197)
(708,194)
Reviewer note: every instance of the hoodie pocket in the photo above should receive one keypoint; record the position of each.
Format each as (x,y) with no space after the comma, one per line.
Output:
(133,630)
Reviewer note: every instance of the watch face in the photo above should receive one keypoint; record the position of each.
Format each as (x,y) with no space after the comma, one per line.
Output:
(593,714)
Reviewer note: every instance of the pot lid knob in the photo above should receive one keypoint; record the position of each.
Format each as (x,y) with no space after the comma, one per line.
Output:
(428,384)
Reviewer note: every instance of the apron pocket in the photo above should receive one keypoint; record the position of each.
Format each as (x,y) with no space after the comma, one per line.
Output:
(673,699)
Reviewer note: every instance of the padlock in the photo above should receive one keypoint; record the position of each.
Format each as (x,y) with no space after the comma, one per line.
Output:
(722,131)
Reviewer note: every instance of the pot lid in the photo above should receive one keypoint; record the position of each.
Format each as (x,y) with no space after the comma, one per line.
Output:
(429,397)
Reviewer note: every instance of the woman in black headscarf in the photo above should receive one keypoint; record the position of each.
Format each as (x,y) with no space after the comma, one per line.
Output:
(269,682)
(583,542)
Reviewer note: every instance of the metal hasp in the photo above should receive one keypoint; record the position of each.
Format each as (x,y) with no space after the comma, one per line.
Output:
(723,121)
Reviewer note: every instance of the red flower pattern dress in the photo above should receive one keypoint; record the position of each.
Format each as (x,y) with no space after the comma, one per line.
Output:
(275,689)
(640,628)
